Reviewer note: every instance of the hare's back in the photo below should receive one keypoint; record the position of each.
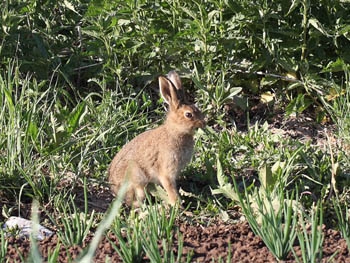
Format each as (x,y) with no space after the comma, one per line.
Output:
(143,145)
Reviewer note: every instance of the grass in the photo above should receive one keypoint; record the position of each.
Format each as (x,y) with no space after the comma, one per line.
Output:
(272,217)
(76,225)
(159,224)
(342,215)
(78,80)
(311,240)
(4,243)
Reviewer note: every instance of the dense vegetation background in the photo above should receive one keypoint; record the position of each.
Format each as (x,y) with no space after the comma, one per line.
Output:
(78,79)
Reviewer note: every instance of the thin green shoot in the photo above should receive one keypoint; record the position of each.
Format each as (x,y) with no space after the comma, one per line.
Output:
(310,235)
(273,219)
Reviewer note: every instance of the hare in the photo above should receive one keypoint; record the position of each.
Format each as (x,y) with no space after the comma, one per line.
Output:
(158,155)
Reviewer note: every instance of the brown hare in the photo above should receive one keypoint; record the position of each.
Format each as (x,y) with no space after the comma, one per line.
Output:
(158,155)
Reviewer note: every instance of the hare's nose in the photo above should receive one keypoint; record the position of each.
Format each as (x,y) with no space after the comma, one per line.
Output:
(203,123)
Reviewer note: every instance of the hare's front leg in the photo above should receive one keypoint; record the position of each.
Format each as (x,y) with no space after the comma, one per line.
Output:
(169,185)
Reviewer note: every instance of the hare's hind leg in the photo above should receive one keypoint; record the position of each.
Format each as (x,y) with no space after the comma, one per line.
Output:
(169,185)
(138,181)
(139,192)
(135,195)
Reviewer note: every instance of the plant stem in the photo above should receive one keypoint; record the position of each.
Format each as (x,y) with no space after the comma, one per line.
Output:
(306,5)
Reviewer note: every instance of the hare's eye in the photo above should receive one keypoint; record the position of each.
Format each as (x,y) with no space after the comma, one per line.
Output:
(188,115)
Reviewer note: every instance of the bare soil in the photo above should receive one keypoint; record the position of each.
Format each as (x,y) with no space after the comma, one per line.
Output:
(204,243)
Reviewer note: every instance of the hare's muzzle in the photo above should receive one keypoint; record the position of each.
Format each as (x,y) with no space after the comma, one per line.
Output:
(201,123)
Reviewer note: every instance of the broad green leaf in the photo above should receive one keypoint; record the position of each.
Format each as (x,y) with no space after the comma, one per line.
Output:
(224,188)
(294,5)
(70,6)
(295,85)
(266,177)
(220,174)
(9,100)
(344,30)
(33,130)
(277,165)
(76,116)
(316,24)
(335,66)
(234,91)
(299,104)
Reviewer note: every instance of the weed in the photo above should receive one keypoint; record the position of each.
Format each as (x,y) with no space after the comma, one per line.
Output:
(3,245)
(76,224)
(272,217)
(310,235)
(343,219)
(88,254)
(158,244)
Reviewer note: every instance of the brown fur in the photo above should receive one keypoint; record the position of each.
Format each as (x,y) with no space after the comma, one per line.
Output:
(158,155)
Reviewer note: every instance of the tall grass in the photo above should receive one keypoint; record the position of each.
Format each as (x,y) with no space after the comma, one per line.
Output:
(343,219)
(43,137)
(24,116)
(3,246)
(338,106)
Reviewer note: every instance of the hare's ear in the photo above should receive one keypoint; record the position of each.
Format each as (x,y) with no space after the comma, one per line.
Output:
(175,79)
(168,92)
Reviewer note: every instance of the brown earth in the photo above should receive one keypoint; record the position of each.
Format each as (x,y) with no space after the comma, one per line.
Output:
(204,243)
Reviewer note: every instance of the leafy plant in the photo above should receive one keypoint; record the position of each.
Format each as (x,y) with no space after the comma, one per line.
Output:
(152,249)
(3,245)
(88,254)
(76,225)
(273,218)
(217,93)
(343,219)
(310,235)
(159,224)
(53,256)
(337,104)
(23,110)
(225,188)
(130,249)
